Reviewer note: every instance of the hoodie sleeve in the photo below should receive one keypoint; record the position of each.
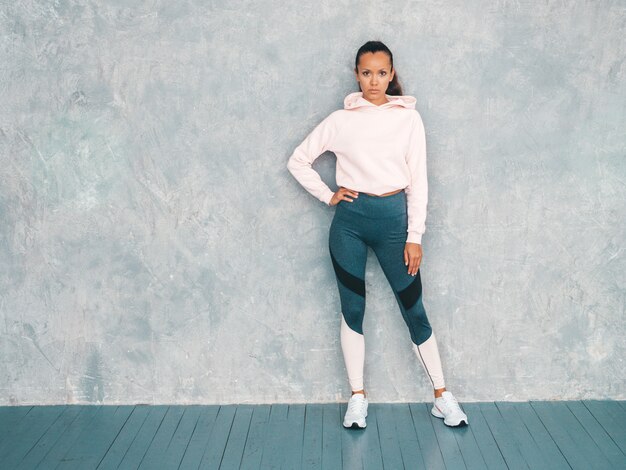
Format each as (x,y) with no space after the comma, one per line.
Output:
(417,191)
(316,143)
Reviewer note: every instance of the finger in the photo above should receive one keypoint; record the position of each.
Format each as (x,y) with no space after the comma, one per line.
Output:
(406,258)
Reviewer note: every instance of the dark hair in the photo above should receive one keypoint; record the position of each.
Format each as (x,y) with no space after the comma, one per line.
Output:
(394,87)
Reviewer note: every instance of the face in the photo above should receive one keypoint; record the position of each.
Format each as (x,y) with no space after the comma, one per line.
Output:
(374,74)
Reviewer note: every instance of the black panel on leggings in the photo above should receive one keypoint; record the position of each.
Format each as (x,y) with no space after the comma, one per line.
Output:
(412,292)
(351,282)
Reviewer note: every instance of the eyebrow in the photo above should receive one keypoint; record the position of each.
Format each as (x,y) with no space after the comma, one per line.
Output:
(384,68)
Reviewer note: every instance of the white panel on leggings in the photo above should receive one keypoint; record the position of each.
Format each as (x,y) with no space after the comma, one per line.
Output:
(428,354)
(353,347)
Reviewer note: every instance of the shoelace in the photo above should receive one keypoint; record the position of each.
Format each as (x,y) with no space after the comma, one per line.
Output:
(451,402)
(354,405)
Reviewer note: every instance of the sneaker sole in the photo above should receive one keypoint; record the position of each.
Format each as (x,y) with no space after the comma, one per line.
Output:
(355,424)
(437,414)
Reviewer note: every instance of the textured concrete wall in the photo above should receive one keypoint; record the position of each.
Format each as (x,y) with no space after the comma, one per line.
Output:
(154,247)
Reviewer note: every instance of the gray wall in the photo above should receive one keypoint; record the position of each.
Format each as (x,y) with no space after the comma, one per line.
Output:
(155,249)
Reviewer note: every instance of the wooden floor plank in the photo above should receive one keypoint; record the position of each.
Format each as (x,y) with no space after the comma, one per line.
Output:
(55,454)
(580,436)
(506,443)
(312,439)
(142,440)
(407,437)
(181,438)
(369,440)
(114,455)
(531,452)
(10,416)
(27,432)
(612,417)
(483,437)
(253,450)
(541,436)
(199,437)
(158,447)
(431,452)
(450,450)
(331,436)
(277,429)
(218,439)
(292,455)
(233,453)
(95,440)
(51,436)
(472,456)
(595,430)
(575,456)
(390,448)
(351,443)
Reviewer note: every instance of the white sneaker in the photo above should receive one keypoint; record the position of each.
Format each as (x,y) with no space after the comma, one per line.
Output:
(356,412)
(448,408)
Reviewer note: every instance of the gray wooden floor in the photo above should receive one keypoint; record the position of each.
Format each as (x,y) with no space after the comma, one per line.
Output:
(551,435)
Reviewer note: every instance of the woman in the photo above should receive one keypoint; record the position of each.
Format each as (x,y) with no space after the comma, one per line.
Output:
(379,140)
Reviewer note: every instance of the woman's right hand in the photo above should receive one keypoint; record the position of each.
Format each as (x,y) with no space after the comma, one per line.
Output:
(343,194)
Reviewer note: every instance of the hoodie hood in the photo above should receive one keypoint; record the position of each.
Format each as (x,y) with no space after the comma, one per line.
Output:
(356,100)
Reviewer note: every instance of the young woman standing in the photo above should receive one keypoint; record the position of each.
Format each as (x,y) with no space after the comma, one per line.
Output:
(379,140)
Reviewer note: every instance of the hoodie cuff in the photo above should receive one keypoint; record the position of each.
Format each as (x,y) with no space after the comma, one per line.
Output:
(414,237)
(327,197)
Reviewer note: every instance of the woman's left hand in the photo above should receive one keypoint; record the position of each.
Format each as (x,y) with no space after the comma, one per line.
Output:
(412,257)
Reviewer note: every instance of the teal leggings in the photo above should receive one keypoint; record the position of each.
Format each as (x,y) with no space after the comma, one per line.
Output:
(380,223)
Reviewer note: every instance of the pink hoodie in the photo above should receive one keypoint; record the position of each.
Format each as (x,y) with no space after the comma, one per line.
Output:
(378,148)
